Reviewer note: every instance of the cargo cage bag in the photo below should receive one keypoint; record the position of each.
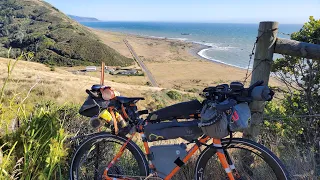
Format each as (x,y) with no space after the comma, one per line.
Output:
(217,123)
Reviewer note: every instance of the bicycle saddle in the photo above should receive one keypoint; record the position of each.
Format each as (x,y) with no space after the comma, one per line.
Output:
(97,87)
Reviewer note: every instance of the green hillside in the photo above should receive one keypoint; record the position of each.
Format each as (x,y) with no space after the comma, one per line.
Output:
(36,26)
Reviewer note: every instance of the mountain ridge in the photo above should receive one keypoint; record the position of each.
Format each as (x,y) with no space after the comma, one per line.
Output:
(83,19)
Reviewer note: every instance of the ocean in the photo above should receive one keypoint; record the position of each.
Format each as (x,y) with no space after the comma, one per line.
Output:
(230,44)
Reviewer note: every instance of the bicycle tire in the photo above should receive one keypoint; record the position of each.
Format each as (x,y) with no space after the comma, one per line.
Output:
(235,146)
(88,144)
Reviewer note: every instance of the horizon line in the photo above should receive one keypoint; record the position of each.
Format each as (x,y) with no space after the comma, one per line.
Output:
(195,22)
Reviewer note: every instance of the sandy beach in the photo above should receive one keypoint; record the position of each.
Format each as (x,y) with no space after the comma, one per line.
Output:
(174,63)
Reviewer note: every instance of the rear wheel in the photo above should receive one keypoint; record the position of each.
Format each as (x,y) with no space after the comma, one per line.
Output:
(93,156)
(251,160)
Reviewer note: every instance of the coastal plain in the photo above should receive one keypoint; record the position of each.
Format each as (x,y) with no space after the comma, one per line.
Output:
(174,63)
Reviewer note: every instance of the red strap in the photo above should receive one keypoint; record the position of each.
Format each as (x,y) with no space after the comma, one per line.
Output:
(235,116)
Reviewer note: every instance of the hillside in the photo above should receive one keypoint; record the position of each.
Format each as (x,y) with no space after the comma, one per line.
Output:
(59,85)
(83,19)
(36,26)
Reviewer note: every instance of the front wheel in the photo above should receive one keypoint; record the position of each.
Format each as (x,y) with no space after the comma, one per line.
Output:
(92,157)
(251,160)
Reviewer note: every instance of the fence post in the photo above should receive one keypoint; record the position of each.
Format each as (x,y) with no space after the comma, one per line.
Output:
(102,73)
(263,58)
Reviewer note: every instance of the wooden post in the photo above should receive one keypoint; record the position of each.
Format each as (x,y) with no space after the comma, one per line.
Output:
(263,56)
(102,73)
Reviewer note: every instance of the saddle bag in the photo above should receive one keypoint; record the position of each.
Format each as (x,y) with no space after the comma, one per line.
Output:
(92,106)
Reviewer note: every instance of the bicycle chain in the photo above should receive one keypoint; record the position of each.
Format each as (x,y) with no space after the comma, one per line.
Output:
(140,177)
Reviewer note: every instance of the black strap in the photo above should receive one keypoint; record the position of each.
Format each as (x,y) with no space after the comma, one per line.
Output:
(230,139)
(178,162)
(230,132)
(150,157)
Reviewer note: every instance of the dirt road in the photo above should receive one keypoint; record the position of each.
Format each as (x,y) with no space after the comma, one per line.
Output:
(141,64)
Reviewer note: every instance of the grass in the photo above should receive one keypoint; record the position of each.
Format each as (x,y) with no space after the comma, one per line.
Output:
(32,145)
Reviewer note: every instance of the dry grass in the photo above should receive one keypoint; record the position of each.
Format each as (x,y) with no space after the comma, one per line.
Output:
(114,40)
(59,85)
(129,80)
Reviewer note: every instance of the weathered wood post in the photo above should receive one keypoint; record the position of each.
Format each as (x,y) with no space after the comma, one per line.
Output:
(102,73)
(263,57)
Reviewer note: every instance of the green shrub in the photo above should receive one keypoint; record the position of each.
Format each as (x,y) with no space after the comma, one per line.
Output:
(48,43)
(52,68)
(174,95)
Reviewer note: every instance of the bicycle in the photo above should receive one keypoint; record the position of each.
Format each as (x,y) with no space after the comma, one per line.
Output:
(114,155)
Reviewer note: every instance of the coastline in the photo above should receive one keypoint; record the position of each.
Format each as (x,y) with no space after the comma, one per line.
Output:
(196,48)
(174,63)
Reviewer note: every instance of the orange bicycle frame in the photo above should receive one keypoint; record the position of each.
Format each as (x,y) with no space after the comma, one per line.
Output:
(216,143)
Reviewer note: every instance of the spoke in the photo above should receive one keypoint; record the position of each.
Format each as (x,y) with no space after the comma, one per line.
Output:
(126,167)
(248,164)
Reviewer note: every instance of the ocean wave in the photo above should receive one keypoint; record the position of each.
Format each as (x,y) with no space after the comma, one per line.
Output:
(215,46)
(202,54)
(154,37)
(180,39)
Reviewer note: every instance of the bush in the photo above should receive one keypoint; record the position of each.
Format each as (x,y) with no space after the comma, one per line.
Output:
(48,43)
(52,68)
(174,95)
(299,108)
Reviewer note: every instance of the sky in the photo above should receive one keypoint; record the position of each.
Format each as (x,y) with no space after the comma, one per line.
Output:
(230,11)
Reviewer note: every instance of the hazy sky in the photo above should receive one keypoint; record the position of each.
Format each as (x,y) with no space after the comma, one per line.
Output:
(239,11)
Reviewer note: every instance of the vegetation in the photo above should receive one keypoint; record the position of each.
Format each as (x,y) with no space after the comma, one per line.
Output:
(36,26)
(33,138)
(293,122)
(174,95)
